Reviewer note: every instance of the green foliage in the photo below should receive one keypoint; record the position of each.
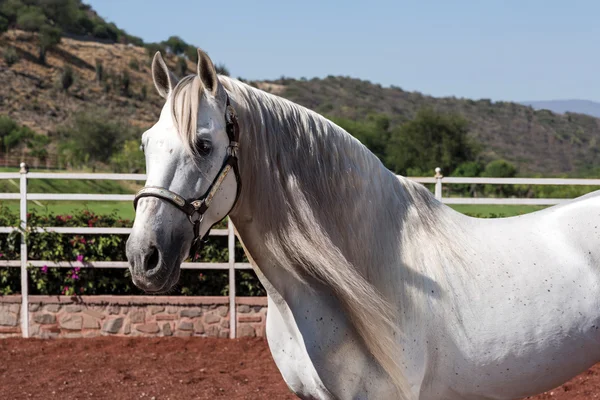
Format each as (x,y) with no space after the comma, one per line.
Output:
(31,19)
(428,141)
(373,132)
(13,135)
(66,78)
(123,82)
(38,146)
(134,64)
(49,37)
(51,246)
(221,69)
(11,9)
(99,71)
(130,159)
(144,93)
(181,67)
(468,169)
(500,169)
(176,45)
(3,24)
(92,137)
(10,56)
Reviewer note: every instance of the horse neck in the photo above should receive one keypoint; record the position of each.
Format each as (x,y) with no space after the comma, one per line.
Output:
(300,170)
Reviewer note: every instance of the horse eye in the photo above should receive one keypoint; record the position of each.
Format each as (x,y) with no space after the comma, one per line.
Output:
(203,147)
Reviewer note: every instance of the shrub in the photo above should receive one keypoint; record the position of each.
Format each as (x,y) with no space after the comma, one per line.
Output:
(31,19)
(10,56)
(3,24)
(130,159)
(99,71)
(51,246)
(93,136)
(66,78)
(134,64)
(122,83)
(49,37)
(222,69)
(181,67)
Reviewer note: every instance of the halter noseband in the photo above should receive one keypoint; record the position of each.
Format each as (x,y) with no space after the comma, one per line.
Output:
(195,209)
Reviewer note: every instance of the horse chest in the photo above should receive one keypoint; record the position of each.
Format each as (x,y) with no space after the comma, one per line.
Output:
(319,357)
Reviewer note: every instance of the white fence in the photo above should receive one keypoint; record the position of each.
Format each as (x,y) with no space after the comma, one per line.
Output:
(23,196)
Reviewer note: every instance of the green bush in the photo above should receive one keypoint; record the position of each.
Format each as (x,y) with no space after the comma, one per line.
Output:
(49,37)
(52,246)
(31,19)
(92,137)
(134,64)
(67,78)
(181,67)
(130,159)
(10,56)
(3,24)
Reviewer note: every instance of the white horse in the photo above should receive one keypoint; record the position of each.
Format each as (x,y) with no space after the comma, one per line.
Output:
(376,290)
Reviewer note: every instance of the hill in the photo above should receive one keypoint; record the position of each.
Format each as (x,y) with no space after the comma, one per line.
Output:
(538,141)
(562,106)
(33,93)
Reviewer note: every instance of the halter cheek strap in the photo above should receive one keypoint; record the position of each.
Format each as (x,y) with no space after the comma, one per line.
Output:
(195,209)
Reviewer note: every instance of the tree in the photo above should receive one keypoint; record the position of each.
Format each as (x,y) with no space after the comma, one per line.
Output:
(67,78)
(93,136)
(130,159)
(373,132)
(430,140)
(31,19)
(181,67)
(222,69)
(3,24)
(64,13)
(11,9)
(49,38)
(176,44)
(500,169)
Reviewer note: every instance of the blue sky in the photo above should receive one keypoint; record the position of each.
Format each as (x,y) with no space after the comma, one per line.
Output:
(498,49)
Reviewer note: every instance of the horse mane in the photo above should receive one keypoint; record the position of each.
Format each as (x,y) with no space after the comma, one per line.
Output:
(294,163)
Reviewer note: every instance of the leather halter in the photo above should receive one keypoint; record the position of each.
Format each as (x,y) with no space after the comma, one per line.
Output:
(195,209)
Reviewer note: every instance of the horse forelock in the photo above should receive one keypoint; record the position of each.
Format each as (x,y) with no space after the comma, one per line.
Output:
(185,101)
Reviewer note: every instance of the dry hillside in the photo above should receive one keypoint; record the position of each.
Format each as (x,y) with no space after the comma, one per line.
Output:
(31,92)
(537,141)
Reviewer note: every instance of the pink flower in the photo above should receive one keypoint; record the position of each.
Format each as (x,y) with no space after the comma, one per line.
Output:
(45,269)
(1,255)
(65,290)
(79,257)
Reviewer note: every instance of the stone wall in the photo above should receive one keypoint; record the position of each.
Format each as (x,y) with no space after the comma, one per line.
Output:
(89,316)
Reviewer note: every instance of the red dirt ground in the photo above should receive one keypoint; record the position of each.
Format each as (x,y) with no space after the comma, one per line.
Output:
(167,368)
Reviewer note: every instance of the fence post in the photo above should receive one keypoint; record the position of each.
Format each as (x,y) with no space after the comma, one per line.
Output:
(438,183)
(232,310)
(24,275)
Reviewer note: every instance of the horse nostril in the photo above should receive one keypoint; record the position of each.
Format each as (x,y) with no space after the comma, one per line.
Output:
(152,259)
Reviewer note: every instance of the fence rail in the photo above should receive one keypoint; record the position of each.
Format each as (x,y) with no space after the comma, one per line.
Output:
(23,196)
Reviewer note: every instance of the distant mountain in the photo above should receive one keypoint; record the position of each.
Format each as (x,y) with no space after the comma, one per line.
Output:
(562,106)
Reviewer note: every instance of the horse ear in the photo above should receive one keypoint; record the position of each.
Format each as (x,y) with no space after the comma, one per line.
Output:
(164,79)
(207,72)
